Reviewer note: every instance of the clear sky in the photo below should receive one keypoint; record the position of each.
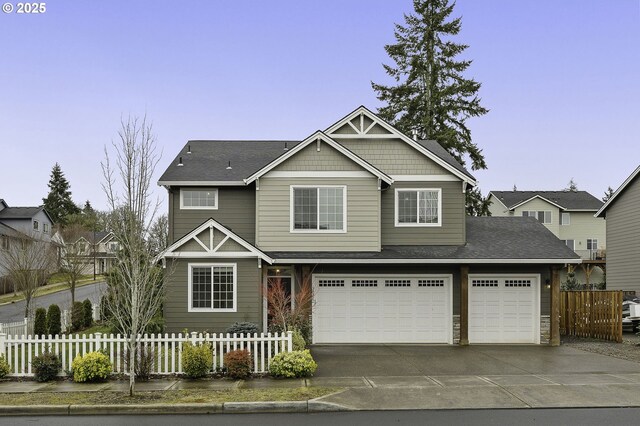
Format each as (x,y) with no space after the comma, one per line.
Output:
(561,78)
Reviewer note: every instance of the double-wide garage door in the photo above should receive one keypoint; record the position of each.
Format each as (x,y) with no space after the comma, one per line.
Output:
(382,309)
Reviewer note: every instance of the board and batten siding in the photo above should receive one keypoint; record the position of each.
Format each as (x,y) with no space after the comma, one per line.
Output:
(363,213)
(176,310)
(623,240)
(452,231)
(236,211)
(393,156)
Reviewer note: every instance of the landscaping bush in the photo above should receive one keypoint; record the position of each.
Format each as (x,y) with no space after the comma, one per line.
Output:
(77,316)
(4,367)
(92,367)
(298,341)
(238,364)
(243,327)
(46,366)
(292,364)
(54,324)
(197,360)
(87,313)
(144,359)
(40,322)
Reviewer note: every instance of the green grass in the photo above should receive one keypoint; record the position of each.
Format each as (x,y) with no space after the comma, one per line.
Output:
(165,397)
(51,287)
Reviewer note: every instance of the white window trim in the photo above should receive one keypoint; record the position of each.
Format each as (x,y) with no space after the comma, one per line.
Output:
(568,216)
(45,228)
(573,247)
(592,240)
(36,225)
(183,207)
(437,224)
(190,307)
(318,231)
(544,214)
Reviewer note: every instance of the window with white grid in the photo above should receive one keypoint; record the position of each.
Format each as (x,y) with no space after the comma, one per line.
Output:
(484,283)
(212,287)
(320,209)
(331,283)
(418,207)
(517,283)
(430,283)
(364,283)
(191,199)
(397,283)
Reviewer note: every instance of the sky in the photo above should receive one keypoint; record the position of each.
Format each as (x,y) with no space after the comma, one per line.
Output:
(560,79)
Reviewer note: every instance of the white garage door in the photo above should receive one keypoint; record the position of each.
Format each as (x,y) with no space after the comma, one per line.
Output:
(382,309)
(504,309)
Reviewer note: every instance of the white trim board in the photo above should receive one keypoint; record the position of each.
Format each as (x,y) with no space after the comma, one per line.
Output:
(425,178)
(430,261)
(515,206)
(618,192)
(201,183)
(317,174)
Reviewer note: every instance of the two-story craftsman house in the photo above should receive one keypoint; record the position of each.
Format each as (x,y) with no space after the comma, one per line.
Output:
(375,220)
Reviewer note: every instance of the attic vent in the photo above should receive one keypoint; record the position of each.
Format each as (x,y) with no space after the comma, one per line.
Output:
(285,147)
(229,166)
(188,149)
(180,162)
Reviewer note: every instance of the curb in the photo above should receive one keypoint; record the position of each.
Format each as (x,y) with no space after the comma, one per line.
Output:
(311,406)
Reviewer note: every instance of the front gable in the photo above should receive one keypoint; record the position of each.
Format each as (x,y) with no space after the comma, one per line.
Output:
(213,240)
(319,156)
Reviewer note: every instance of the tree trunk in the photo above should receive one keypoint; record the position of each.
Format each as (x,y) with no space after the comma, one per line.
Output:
(132,363)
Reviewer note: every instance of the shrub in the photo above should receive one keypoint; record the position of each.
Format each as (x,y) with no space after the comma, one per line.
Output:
(144,360)
(92,367)
(46,366)
(197,360)
(298,341)
(243,327)
(105,312)
(293,364)
(87,313)
(238,364)
(40,322)
(54,325)
(77,316)
(4,367)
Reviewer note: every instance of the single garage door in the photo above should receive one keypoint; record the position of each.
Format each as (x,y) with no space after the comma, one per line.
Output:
(504,309)
(382,309)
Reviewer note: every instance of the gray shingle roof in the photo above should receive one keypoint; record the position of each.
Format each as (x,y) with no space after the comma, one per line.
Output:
(437,149)
(209,160)
(19,212)
(570,200)
(491,238)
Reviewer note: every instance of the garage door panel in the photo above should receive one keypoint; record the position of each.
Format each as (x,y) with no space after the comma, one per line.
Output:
(400,309)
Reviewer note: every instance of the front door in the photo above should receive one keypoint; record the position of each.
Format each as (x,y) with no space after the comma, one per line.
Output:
(280,294)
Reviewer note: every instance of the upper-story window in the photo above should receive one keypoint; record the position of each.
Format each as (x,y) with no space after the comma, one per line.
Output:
(565,219)
(36,225)
(544,216)
(195,199)
(113,247)
(45,228)
(418,207)
(318,209)
(570,244)
(592,244)
(4,241)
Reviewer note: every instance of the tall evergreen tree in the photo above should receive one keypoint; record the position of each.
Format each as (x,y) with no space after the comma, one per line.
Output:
(608,194)
(58,202)
(431,98)
(572,186)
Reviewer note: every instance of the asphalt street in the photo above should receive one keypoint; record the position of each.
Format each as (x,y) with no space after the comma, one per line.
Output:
(15,311)
(569,416)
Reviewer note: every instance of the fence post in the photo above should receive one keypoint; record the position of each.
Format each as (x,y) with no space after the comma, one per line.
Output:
(96,312)
(194,335)
(26,326)
(289,341)
(3,339)
(98,340)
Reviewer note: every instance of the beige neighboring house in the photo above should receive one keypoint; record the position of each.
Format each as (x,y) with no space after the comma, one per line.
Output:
(570,216)
(100,250)
(622,215)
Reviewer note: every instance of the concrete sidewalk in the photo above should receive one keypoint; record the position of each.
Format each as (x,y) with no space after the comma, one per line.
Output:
(408,392)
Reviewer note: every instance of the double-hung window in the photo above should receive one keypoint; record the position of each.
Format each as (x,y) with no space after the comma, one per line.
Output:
(212,287)
(592,244)
(544,216)
(192,199)
(319,209)
(570,244)
(418,207)
(565,219)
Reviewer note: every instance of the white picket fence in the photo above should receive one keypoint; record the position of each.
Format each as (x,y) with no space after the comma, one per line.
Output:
(15,328)
(166,349)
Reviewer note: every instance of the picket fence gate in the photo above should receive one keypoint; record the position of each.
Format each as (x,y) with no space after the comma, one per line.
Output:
(165,350)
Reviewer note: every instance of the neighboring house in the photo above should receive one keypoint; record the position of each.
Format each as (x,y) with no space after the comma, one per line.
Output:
(569,215)
(374,220)
(623,235)
(99,249)
(15,223)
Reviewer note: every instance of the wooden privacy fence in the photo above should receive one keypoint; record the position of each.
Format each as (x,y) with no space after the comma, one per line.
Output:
(165,350)
(596,314)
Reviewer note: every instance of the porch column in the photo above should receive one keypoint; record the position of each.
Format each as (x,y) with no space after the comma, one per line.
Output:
(555,305)
(464,305)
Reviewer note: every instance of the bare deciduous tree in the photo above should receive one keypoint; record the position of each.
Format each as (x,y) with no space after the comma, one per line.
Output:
(136,284)
(76,255)
(28,261)
(159,235)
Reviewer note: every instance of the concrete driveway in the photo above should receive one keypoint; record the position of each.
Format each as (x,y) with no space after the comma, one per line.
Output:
(481,360)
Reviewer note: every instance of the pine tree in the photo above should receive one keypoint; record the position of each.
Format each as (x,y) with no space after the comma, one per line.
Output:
(432,99)
(608,194)
(572,186)
(58,202)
